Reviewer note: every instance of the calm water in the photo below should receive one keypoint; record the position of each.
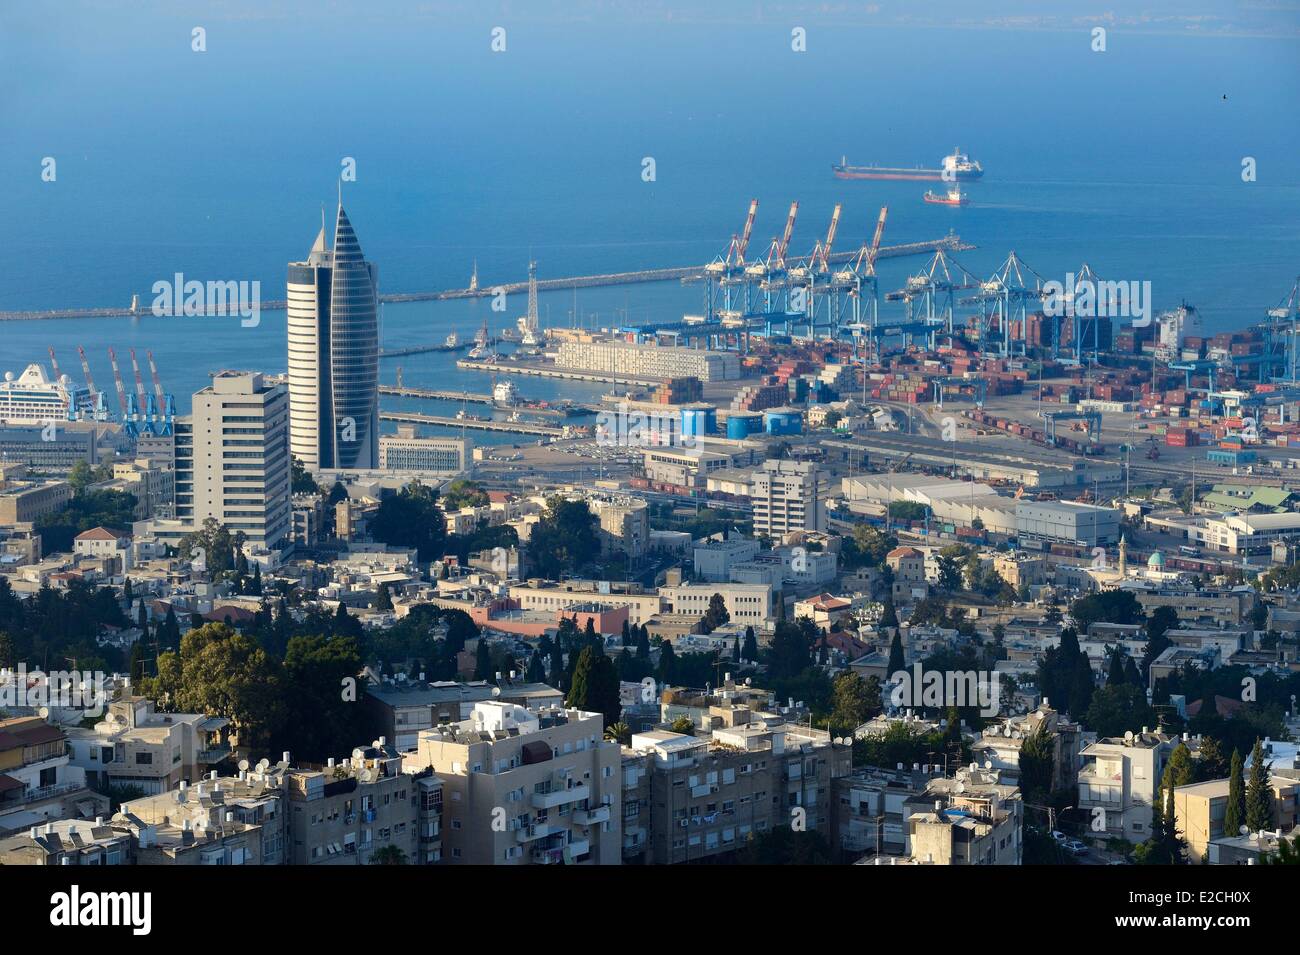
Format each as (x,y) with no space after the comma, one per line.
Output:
(217,164)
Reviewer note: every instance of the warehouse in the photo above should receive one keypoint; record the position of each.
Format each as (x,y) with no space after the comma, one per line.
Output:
(1067,521)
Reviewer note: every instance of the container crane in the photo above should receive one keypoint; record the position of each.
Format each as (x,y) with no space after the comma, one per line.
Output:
(153,372)
(85,370)
(54,365)
(139,379)
(117,379)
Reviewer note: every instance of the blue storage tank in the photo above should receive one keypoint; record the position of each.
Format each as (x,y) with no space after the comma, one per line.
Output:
(742,424)
(783,421)
(699,421)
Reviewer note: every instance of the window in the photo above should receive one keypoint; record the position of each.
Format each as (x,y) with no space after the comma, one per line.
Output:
(144,759)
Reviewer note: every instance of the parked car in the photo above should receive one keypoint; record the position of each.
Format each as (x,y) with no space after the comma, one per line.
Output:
(1058,835)
(1075,847)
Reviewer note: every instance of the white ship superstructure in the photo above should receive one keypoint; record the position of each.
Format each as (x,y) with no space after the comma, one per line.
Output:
(32,398)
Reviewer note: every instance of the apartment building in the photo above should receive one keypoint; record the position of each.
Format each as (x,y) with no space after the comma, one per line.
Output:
(405,708)
(69,842)
(968,819)
(788,496)
(232,460)
(134,745)
(1000,742)
(749,604)
(344,813)
(151,483)
(1121,777)
(230,820)
(38,782)
(525,788)
(623,523)
(871,809)
(1199,810)
(688,798)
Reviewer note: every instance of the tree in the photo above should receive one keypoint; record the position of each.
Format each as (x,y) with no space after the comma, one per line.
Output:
(790,652)
(412,518)
(383,600)
(213,544)
(1259,796)
(1234,815)
(1107,606)
(897,661)
(949,573)
(889,616)
(564,539)
(642,644)
(716,614)
(1210,761)
(749,651)
(536,669)
(221,672)
(683,724)
(300,481)
(1115,710)
(1179,771)
(1288,853)
(388,855)
(1037,764)
(619,733)
(1161,621)
(852,701)
(326,718)
(785,846)
(595,686)
(461,493)
(483,661)
(667,664)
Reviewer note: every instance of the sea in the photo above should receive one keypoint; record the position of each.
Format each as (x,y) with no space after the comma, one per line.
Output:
(601,143)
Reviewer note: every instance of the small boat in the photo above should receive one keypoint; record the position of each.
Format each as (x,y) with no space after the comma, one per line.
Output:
(452,340)
(954,197)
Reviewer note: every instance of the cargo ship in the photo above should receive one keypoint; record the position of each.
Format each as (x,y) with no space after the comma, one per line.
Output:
(954,197)
(956,168)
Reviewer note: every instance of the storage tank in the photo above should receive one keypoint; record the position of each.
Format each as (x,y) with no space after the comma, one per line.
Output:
(783,421)
(741,424)
(698,421)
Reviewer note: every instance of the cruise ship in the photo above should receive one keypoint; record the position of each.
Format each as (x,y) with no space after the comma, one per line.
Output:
(33,399)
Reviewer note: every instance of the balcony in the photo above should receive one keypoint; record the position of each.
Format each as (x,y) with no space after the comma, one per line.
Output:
(539,831)
(576,793)
(578,847)
(591,817)
(547,856)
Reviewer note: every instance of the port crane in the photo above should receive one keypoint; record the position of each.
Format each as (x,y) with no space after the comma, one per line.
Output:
(1002,300)
(117,379)
(157,384)
(139,379)
(811,288)
(54,365)
(85,370)
(725,280)
(935,286)
(1282,339)
(861,273)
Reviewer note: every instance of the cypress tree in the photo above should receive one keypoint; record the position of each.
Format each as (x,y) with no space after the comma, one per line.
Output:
(482,662)
(642,643)
(896,659)
(1234,816)
(1259,798)
(536,670)
(750,650)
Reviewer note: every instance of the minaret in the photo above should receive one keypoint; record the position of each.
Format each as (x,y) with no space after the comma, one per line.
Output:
(1123,556)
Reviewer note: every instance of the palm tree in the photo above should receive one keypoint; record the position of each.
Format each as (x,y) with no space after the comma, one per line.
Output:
(619,733)
(388,855)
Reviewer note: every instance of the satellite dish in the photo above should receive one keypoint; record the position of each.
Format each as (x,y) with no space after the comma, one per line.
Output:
(263,765)
(1128,736)
(988,764)
(43,712)
(243,765)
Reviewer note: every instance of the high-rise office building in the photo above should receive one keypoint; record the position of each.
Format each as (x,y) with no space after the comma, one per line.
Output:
(232,458)
(333,331)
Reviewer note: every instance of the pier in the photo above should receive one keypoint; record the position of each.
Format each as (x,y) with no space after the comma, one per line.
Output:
(950,243)
(474,424)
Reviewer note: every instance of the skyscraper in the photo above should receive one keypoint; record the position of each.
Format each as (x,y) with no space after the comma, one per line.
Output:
(333,332)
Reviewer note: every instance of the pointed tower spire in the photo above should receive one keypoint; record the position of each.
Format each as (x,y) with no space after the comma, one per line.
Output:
(1123,555)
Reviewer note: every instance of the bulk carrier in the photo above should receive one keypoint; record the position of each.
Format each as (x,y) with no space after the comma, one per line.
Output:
(956,168)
